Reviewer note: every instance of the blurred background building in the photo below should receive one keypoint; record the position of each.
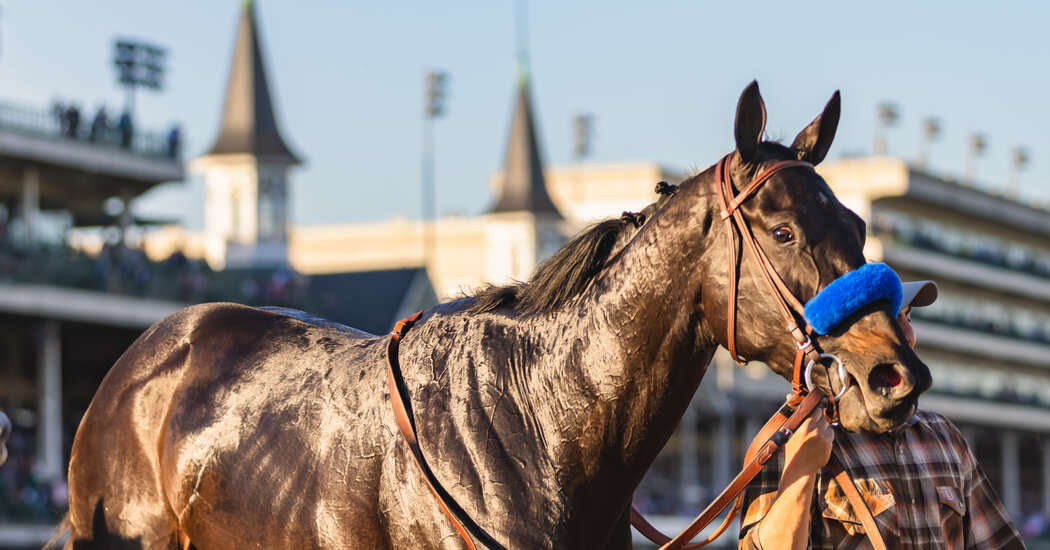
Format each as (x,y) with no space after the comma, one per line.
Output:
(81,277)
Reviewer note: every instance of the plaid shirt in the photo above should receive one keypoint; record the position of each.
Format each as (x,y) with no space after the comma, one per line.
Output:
(922,483)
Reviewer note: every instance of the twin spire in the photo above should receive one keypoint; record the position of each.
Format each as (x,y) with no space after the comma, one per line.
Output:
(249,126)
(524,187)
(248,122)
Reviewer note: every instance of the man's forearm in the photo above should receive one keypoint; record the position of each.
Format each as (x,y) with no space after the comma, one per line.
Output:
(788,519)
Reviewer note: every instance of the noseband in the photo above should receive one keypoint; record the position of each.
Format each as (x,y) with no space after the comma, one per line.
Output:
(790,306)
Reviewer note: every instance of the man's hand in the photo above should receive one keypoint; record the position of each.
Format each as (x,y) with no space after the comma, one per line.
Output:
(809,448)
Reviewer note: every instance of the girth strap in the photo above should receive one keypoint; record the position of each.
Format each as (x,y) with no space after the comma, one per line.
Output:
(402,406)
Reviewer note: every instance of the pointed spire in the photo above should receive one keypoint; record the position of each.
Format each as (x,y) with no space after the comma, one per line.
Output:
(248,122)
(524,188)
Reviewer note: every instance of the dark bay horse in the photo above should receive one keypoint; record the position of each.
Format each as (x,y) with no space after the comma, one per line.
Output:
(539,405)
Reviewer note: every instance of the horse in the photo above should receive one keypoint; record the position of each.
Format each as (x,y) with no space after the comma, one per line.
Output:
(539,404)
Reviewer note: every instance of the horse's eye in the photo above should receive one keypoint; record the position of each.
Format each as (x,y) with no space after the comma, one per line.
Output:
(783,235)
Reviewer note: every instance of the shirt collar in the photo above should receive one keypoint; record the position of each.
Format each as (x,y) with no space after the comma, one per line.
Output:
(912,421)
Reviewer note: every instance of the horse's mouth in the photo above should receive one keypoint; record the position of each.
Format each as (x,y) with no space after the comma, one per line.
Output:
(857,413)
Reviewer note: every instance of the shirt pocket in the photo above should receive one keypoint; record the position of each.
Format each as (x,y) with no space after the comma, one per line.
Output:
(953,509)
(949,496)
(837,508)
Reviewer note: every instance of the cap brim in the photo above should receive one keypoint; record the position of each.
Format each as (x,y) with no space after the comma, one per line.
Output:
(918,293)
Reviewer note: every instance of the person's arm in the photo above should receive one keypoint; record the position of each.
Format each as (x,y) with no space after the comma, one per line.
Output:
(787,523)
(986,523)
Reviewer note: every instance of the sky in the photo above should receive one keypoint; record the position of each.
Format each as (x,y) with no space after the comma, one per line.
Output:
(661,80)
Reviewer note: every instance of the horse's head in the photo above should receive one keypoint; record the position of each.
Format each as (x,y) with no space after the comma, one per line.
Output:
(807,239)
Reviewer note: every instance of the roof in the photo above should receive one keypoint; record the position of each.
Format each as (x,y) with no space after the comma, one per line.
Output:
(248,122)
(371,301)
(524,188)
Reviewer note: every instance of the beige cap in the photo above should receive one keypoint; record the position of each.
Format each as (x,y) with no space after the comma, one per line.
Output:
(918,293)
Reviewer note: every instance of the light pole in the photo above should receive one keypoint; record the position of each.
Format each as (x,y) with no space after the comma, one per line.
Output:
(582,124)
(138,64)
(888,116)
(434,107)
(931,132)
(1018,163)
(978,145)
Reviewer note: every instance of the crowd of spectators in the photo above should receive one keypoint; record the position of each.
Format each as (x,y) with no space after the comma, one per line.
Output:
(25,497)
(986,250)
(127,270)
(929,235)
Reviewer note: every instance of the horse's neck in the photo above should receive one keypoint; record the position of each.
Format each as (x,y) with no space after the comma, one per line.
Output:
(644,347)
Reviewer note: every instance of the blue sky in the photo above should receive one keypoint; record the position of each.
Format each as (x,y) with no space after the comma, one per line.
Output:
(660,78)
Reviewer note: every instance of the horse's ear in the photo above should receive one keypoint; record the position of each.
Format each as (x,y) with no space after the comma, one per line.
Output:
(750,122)
(813,143)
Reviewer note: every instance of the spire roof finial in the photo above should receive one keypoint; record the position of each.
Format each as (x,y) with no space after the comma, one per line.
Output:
(524,187)
(248,121)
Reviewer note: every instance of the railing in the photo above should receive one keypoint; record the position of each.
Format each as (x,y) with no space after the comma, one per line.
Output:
(1030,264)
(129,272)
(53,124)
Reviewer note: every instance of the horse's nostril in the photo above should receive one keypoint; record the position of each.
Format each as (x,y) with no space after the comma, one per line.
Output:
(885,376)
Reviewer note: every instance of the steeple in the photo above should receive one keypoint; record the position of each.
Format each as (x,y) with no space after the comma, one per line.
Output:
(524,188)
(248,123)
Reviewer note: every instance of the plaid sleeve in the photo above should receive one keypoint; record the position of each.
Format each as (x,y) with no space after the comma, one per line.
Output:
(986,524)
(757,499)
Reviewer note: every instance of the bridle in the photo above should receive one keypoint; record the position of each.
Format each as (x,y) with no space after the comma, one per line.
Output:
(804,396)
(802,401)
(790,307)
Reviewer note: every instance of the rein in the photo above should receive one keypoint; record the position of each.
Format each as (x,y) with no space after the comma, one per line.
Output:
(770,439)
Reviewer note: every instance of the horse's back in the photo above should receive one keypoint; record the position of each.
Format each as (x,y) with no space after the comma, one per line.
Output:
(217,402)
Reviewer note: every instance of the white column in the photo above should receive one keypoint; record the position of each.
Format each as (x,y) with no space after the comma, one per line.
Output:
(689,469)
(126,220)
(49,398)
(751,427)
(31,203)
(1011,460)
(722,447)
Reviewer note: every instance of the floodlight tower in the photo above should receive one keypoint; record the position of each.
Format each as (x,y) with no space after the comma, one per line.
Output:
(138,64)
(888,116)
(434,107)
(931,132)
(978,145)
(1018,163)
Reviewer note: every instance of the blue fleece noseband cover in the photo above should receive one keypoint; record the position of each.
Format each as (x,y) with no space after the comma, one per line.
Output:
(852,291)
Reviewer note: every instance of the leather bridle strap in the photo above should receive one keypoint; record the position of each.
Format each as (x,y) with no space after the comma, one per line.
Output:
(735,223)
(402,406)
(860,506)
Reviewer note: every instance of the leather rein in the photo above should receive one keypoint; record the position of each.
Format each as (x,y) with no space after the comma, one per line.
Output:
(770,439)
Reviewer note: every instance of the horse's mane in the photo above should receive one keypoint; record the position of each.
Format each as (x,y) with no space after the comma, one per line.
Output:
(567,272)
